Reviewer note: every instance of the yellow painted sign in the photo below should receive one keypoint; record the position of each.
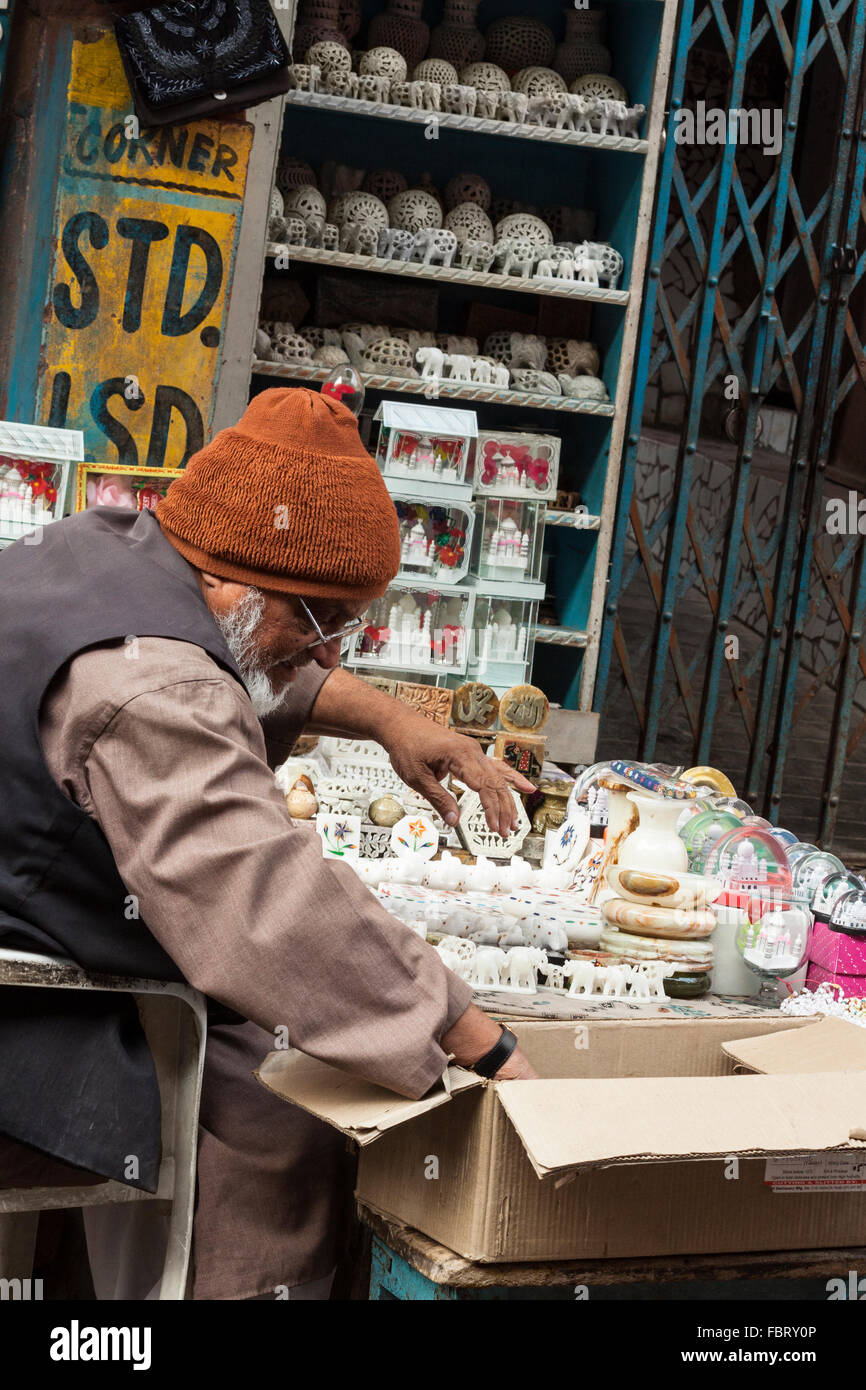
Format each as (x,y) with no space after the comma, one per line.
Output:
(147,227)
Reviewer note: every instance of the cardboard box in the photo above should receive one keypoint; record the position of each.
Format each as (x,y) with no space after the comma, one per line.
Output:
(624,1148)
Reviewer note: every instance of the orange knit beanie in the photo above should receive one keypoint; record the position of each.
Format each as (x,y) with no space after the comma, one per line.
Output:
(289,499)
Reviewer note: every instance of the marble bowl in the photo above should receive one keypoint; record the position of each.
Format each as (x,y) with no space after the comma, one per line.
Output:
(676,889)
(675,923)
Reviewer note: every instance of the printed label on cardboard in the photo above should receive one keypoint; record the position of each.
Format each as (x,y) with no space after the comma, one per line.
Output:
(827,1172)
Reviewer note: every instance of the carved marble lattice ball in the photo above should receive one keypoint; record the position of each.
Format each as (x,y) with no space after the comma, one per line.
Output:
(364,207)
(538,82)
(467,188)
(277,207)
(383,62)
(436,70)
(306,202)
(571,357)
(519,41)
(414,210)
(598,84)
(389,355)
(470,221)
(522,226)
(294,173)
(330,356)
(590,388)
(504,207)
(385,183)
(498,346)
(486,77)
(330,56)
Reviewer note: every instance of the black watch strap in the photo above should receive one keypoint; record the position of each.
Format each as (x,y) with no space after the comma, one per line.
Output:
(489,1064)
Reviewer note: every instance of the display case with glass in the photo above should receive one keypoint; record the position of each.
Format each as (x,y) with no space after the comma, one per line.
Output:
(510,538)
(435,539)
(425,443)
(411,628)
(500,652)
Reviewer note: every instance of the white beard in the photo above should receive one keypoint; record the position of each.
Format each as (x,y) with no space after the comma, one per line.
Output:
(239,628)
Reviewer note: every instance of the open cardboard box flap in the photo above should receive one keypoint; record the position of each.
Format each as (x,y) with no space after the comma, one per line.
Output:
(829,1044)
(569,1124)
(357,1108)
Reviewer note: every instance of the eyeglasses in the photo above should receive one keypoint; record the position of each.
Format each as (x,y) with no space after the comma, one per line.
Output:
(321,639)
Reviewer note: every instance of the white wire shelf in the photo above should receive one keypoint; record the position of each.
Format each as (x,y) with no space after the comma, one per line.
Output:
(579,521)
(561,636)
(453,390)
(452,275)
(479,125)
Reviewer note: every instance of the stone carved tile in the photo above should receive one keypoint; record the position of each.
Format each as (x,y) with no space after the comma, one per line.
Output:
(430,700)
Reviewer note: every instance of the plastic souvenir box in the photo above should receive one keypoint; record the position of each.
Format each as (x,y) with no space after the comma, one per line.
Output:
(517,465)
(435,537)
(415,629)
(503,637)
(34,475)
(511,537)
(427,443)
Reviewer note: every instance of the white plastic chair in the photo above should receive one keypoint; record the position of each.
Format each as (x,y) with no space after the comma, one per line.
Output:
(174,1018)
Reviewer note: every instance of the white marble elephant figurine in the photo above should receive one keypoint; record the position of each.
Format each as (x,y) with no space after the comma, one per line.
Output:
(475,255)
(513,107)
(638,982)
(520,970)
(432,362)
(459,366)
(501,375)
(609,260)
(487,102)
(434,246)
(634,116)
(359,238)
(395,244)
(615,981)
(554,976)
(583,110)
(549,935)
(458,955)
(582,976)
(610,114)
(517,256)
(586,270)
(556,263)
(487,967)
(482,370)
(459,99)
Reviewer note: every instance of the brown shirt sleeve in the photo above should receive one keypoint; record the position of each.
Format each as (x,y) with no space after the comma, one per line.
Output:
(166,754)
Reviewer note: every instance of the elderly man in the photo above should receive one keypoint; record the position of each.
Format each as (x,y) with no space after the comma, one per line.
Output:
(142,835)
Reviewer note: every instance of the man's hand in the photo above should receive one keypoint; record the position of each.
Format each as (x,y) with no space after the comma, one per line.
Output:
(422,752)
(473,1036)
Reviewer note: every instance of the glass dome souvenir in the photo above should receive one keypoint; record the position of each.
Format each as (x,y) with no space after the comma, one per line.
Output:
(775,944)
(830,890)
(849,914)
(344,384)
(758,822)
(810,871)
(786,838)
(754,869)
(798,849)
(741,809)
(587,795)
(700,833)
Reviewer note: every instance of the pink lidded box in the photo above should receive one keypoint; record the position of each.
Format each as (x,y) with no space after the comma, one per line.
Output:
(839,959)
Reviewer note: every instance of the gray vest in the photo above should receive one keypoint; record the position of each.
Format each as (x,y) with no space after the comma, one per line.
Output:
(77,1077)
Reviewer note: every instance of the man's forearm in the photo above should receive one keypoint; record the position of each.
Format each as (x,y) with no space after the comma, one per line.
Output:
(350,708)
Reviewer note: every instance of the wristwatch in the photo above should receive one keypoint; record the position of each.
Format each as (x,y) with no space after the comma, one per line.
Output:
(489,1064)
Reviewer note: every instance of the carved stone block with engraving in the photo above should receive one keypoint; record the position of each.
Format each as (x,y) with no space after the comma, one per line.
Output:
(430,700)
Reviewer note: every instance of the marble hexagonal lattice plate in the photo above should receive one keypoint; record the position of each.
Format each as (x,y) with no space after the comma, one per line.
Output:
(478,838)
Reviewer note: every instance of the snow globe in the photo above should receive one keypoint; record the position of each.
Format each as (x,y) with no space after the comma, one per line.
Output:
(786,838)
(344,384)
(810,871)
(830,890)
(699,834)
(775,944)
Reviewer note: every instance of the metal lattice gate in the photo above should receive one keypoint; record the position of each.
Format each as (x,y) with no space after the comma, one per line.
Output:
(734,635)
